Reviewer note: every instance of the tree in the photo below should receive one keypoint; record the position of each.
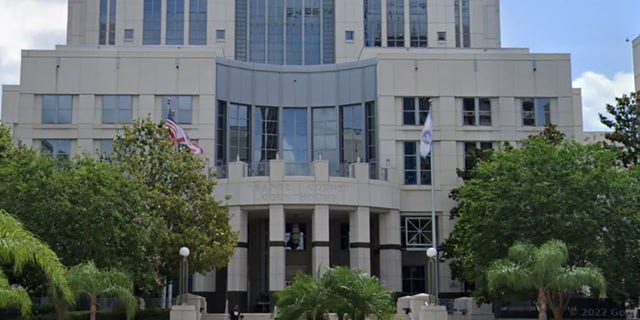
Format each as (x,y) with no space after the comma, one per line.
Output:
(626,127)
(19,248)
(84,209)
(86,279)
(180,194)
(542,270)
(349,293)
(550,190)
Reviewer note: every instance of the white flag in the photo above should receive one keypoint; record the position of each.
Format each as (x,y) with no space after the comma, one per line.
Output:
(425,137)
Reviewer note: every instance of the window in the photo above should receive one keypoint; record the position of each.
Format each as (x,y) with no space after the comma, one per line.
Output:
(198,22)
(476,111)
(415,110)
(312,27)
(417,232)
(418,22)
(182,106)
(152,22)
(352,133)
(294,237)
(372,23)
(442,36)
(348,35)
(463,23)
(175,22)
(128,34)
(106,150)
(107,22)
(395,23)
(417,170)
(56,109)
(265,133)
(295,145)
(116,109)
(536,112)
(325,136)
(239,121)
(56,147)
(470,148)
(413,280)
(221,136)
(221,34)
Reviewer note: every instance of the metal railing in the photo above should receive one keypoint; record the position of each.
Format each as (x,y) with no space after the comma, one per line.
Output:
(297,168)
(219,172)
(339,169)
(257,169)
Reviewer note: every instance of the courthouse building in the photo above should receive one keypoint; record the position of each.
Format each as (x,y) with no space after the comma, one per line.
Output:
(309,113)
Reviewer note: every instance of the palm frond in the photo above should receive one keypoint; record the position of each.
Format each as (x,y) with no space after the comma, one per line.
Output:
(573,278)
(507,274)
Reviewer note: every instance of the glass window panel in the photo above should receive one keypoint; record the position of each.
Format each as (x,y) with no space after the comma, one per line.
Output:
(312,27)
(372,23)
(241,30)
(56,147)
(275,36)
(294,32)
(198,22)
(395,23)
(151,22)
(328,31)
(56,109)
(418,22)
(175,22)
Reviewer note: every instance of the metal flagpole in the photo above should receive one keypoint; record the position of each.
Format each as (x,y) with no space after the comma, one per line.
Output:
(434,241)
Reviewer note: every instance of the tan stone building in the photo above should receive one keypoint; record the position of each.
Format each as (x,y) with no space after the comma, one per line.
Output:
(310,112)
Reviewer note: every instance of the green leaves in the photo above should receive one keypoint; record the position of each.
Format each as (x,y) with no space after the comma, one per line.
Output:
(339,290)
(624,119)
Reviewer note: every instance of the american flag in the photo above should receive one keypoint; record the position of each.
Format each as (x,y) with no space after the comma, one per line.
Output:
(179,136)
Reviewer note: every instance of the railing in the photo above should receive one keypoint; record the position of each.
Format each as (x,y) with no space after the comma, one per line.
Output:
(297,168)
(257,169)
(339,170)
(219,172)
(378,173)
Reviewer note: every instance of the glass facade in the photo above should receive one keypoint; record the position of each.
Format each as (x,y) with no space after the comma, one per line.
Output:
(56,147)
(463,23)
(175,22)
(325,136)
(198,22)
(265,133)
(352,134)
(295,144)
(107,22)
(152,22)
(395,23)
(372,23)
(418,22)
(56,109)
(238,118)
(117,109)
(292,32)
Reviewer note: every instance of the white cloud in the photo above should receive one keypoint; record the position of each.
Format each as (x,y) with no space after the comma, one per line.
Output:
(28,24)
(598,91)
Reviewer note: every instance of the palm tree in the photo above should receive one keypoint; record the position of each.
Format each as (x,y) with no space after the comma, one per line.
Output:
(20,247)
(86,279)
(349,293)
(541,270)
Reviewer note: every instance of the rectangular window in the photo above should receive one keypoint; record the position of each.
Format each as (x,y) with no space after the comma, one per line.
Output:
(348,35)
(257,34)
(152,22)
(415,110)
(470,150)
(221,34)
(182,106)
(312,25)
(372,23)
(128,34)
(239,119)
(117,109)
(295,145)
(294,237)
(463,23)
(417,170)
(294,32)
(328,32)
(413,280)
(395,23)
(352,133)
(417,232)
(275,42)
(536,112)
(265,133)
(325,137)
(241,30)
(476,111)
(107,22)
(56,109)
(372,156)
(418,22)
(198,22)
(56,147)
(221,133)
(175,22)
(442,36)
(106,149)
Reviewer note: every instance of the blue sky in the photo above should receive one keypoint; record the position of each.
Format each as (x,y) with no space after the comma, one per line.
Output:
(592,31)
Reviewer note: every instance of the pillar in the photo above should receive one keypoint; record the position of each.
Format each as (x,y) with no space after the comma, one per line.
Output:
(276,248)
(359,240)
(237,267)
(390,254)
(320,239)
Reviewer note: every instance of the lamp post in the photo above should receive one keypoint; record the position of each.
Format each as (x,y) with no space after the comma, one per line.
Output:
(184,274)
(432,254)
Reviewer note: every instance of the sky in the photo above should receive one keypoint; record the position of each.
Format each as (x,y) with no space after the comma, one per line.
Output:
(593,32)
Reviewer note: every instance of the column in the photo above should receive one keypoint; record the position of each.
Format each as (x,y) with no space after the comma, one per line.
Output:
(276,248)
(320,239)
(359,241)
(390,254)
(237,268)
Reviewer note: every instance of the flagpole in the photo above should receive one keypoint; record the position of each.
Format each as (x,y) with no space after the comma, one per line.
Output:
(434,242)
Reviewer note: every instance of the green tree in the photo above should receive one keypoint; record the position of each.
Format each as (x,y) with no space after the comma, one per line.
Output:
(542,271)
(19,248)
(625,123)
(180,193)
(87,280)
(339,290)
(550,190)
(85,210)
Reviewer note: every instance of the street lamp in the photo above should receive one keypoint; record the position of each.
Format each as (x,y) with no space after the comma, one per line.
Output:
(432,253)
(184,273)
